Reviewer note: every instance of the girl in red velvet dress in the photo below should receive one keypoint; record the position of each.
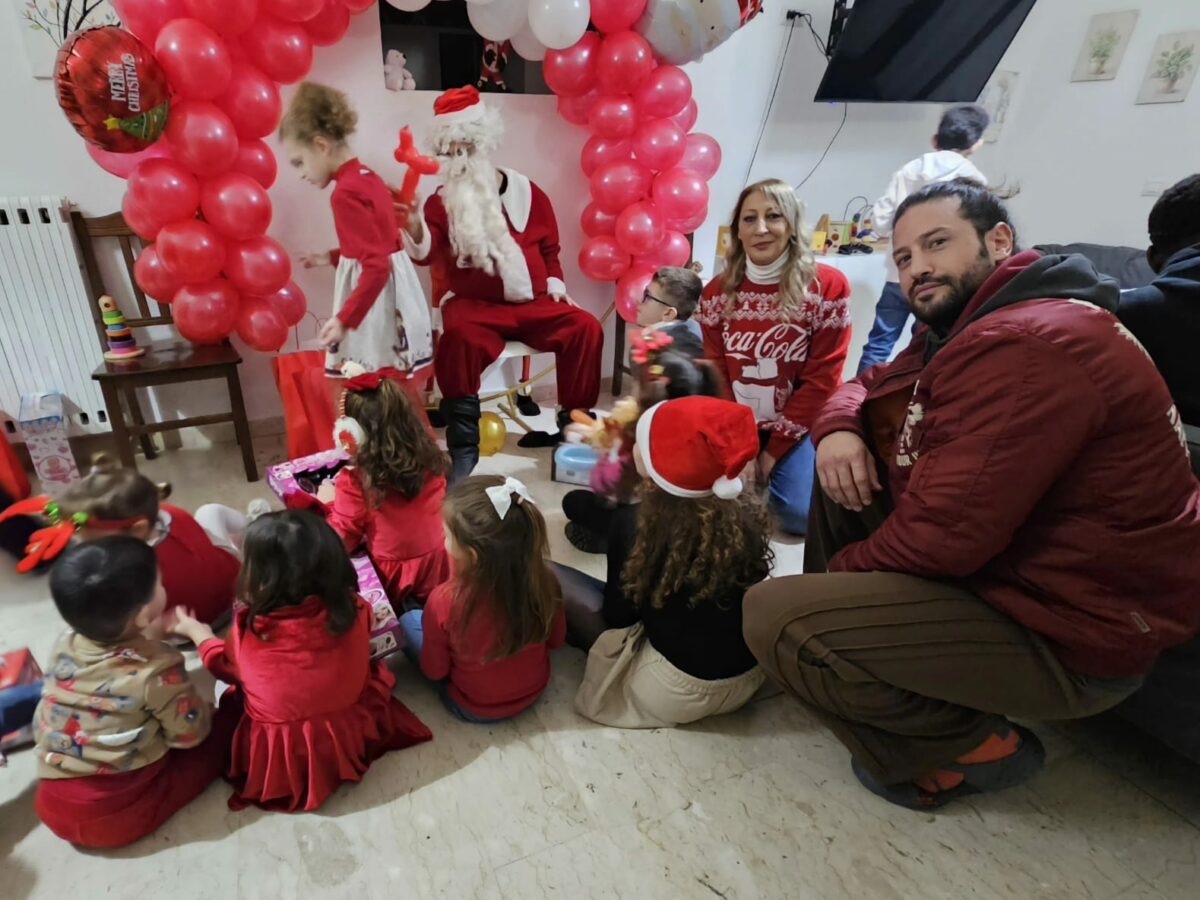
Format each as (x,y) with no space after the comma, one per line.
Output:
(318,711)
(486,634)
(390,498)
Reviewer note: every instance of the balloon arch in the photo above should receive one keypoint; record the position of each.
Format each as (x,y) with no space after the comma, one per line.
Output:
(179,101)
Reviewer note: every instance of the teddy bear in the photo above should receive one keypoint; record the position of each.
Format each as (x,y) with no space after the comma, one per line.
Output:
(395,76)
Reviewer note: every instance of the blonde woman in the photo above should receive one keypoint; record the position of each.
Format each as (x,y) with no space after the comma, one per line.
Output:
(778,324)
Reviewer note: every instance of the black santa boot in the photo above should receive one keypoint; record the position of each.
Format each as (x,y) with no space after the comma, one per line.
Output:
(462,434)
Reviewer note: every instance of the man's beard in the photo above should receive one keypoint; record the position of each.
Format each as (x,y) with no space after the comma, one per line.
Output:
(942,315)
(479,232)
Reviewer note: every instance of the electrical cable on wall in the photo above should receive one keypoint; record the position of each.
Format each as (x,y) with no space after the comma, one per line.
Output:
(762,127)
(828,147)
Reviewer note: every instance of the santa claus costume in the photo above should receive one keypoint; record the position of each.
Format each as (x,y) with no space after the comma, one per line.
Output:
(493,232)
(377,295)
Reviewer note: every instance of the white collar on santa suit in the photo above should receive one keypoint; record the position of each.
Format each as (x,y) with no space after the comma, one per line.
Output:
(517,198)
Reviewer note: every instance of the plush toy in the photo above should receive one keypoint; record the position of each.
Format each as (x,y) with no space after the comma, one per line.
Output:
(395,76)
(492,65)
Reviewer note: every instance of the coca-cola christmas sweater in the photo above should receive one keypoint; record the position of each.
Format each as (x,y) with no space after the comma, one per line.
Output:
(783,370)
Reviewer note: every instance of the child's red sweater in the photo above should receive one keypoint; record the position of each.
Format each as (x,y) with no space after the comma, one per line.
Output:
(783,370)
(489,689)
(196,574)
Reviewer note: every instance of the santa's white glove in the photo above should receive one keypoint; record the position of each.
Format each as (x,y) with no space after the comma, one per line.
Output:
(563,298)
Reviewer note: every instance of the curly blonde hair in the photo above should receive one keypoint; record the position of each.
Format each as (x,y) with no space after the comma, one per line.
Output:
(399,454)
(801,271)
(318,110)
(703,549)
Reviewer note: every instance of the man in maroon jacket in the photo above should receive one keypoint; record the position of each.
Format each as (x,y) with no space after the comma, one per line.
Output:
(1037,543)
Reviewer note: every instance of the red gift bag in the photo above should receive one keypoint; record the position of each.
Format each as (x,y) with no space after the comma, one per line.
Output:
(307,402)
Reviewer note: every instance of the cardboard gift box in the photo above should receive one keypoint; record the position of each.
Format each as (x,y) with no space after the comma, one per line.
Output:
(18,667)
(306,475)
(44,424)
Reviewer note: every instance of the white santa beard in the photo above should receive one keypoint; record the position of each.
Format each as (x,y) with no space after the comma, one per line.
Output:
(479,231)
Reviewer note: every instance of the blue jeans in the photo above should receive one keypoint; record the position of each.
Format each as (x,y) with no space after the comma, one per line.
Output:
(791,487)
(17,706)
(891,314)
(412,626)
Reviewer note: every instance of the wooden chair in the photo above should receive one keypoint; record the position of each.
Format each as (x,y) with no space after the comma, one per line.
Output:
(165,362)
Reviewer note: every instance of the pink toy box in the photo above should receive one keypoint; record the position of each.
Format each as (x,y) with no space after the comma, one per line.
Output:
(306,475)
(44,424)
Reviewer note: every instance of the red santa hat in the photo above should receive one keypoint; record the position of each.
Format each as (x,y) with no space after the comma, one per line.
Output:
(697,446)
(460,114)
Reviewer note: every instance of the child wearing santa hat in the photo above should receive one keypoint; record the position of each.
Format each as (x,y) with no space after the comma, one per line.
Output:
(673,600)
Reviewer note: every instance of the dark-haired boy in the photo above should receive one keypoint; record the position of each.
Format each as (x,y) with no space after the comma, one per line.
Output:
(1165,315)
(959,135)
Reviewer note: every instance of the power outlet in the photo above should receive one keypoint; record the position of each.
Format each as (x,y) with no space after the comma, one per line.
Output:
(1153,188)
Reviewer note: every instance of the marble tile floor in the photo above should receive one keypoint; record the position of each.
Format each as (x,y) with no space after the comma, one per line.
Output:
(758,804)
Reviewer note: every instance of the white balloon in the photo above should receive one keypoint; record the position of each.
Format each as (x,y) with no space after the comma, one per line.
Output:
(476,2)
(682,31)
(559,24)
(527,46)
(498,20)
(409,5)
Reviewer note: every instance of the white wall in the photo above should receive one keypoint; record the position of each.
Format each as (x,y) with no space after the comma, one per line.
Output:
(1080,152)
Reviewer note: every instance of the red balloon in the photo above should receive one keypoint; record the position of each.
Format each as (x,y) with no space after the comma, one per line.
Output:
(613,118)
(121,164)
(153,277)
(329,25)
(617,184)
(258,266)
(686,119)
(616,15)
(293,10)
(630,288)
(202,137)
(572,72)
(603,259)
(597,151)
(163,191)
(689,224)
(594,221)
(640,228)
(191,250)
(575,109)
(251,101)
(290,303)
(281,49)
(206,313)
(701,154)
(665,92)
(145,17)
(236,205)
(254,158)
(143,226)
(227,17)
(357,6)
(624,61)
(195,59)
(675,251)
(680,193)
(260,325)
(111,89)
(658,143)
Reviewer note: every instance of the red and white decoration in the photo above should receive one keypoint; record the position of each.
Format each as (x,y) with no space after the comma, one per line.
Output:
(648,172)
(698,446)
(200,192)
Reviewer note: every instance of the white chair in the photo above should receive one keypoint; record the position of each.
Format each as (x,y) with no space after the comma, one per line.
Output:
(508,396)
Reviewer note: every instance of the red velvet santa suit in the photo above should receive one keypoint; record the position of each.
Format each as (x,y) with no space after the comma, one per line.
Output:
(481,311)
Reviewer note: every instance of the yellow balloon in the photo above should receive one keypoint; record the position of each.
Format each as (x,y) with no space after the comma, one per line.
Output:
(491,434)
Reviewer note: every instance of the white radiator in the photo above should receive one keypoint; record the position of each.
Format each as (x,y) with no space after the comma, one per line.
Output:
(47,338)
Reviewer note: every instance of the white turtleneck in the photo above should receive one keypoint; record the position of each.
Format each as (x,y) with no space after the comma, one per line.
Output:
(768,274)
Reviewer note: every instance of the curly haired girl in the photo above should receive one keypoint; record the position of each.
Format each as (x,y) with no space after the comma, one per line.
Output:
(380,317)
(678,566)
(390,496)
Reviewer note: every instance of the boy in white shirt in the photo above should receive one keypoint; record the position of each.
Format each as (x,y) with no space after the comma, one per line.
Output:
(959,135)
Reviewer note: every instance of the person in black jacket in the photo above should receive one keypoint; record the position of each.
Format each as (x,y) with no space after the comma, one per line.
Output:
(1165,315)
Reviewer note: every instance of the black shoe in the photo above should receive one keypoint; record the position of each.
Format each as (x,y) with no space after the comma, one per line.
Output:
(584,539)
(462,435)
(537,439)
(527,406)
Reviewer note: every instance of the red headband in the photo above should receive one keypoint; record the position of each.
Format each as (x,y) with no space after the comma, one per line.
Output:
(370,381)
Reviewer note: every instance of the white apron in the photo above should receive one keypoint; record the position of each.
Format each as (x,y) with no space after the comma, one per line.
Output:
(396,330)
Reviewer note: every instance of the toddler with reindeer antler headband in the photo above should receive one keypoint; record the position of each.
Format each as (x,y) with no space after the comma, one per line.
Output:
(484,636)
